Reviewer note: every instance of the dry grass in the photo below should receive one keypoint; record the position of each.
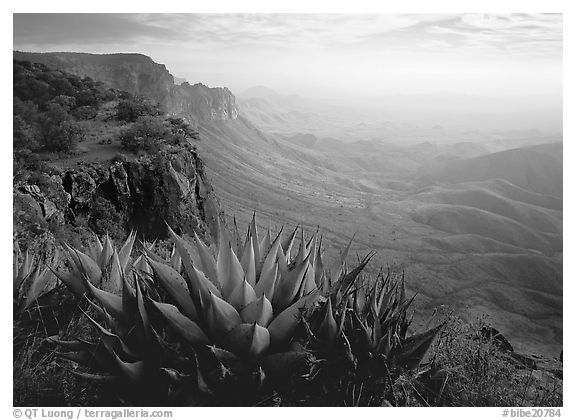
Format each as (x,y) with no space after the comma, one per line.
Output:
(467,371)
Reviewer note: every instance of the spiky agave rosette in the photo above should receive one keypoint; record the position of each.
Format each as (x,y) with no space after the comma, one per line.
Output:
(238,308)
(32,277)
(362,333)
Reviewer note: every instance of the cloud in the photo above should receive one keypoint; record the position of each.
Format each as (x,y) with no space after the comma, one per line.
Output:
(521,34)
(85,28)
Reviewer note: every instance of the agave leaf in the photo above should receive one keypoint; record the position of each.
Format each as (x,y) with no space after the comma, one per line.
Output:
(133,371)
(111,277)
(288,287)
(253,234)
(272,257)
(385,297)
(126,250)
(229,269)
(345,284)
(303,250)
(308,283)
(328,327)
(91,353)
(250,340)
(223,356)
(111,341)
(267,283)
(87,266)
(24,271)
(259,311)
(182,248)
(106,254)
(41,283)
(96,378)
(237,240)
(175,260)
(338,268)
(128,292)
(319,265)
(288,242)
(222,317)
(207,262)
(202,383)
(74,345)
(143,327)
(248,264)
(413,349)
(385,344)
(200,288)
(176,287)
(177,377)
(93,250)
(111,302)
(98,247)
(265,243)
(282,262)
(283,326)
(80,357)
(188,329)
(404,326)
(242,296)
(364,333)
(141,266)
(311,246)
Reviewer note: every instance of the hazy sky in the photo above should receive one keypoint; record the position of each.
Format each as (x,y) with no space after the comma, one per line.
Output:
(491,55)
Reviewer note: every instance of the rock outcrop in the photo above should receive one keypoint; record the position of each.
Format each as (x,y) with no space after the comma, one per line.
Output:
(140,75)
(203,103)
(147,192)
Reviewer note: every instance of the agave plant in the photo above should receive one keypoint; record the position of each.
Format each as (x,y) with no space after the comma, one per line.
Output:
(97,267)
(32,277)
(362,329)
(237,307)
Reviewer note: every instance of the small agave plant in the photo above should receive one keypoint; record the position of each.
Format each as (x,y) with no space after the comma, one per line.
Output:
(32,278)
(237,308)
(362,333)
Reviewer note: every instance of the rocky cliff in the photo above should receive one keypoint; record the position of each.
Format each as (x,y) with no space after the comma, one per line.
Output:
(203,103)
(140,75)
(146,192)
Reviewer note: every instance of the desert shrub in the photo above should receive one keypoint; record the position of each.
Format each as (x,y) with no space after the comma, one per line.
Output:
(469,370)
(87,97)
(24,137)
(105,219)
(85,112)
(66,102)
(59,133)
(26,109)
(130,109)
(181,131)
(146,134)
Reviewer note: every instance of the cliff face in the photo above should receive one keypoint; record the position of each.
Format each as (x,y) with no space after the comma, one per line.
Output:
(140,75)
(203,103)
(147,191)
